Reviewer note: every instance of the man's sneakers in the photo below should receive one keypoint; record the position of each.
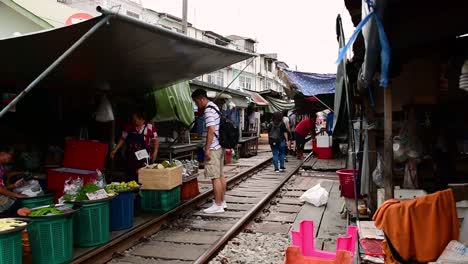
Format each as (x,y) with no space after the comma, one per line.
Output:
(214,209)
(282,169)
(277,171)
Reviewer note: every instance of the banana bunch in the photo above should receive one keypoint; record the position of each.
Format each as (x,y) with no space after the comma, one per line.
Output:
(122,186)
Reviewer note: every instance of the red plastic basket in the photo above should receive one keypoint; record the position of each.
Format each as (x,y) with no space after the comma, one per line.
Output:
(347,182)
(189,190)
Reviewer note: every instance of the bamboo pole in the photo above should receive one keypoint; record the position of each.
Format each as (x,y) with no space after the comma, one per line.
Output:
(388,144)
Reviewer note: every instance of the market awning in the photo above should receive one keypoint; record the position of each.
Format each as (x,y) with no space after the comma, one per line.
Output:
(278,105)
(257,99)
(131,55)
(310,84)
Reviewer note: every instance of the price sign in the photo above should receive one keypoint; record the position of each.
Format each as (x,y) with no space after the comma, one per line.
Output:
(142,154)
(97,195)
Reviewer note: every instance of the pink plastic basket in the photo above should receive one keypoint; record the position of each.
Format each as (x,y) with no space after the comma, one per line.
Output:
(347,182)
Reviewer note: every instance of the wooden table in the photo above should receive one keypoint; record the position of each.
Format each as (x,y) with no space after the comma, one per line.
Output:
(177,151)
(247,147)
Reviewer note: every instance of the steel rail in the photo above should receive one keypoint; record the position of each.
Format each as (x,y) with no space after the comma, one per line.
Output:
(233,231)
(129,239)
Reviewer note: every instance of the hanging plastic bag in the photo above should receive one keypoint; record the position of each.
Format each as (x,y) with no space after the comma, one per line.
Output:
(316,195)
(378,173)
(30,188)
(104,112)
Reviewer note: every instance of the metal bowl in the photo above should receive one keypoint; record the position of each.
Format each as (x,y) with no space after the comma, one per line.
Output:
(17,228)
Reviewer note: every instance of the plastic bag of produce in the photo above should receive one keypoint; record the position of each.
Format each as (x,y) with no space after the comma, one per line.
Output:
(71,189)
(316,195)
(100,179)
(30,188)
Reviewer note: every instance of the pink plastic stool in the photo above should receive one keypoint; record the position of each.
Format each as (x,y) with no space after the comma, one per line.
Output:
(304,239)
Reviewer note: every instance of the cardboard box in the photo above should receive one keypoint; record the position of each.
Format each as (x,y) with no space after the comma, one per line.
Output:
(160,179)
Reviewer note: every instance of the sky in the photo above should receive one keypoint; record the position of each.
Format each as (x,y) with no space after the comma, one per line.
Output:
(302,32)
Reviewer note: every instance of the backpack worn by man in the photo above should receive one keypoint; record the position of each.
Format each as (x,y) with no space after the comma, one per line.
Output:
(228,133)
(274,135)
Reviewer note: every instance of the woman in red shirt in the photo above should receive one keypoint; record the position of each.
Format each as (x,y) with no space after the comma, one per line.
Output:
(138,136)
(303,129)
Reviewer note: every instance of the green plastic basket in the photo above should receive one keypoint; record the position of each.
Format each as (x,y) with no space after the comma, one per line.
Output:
(91,224)
(33,202)
(11,248)
(51,240)
(157,201)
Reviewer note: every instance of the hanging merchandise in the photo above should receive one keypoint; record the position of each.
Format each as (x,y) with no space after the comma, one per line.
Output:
(411,175)
(378,173)
(104,112)
(464,77)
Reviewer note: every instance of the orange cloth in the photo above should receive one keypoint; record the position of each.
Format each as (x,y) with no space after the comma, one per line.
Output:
(419,229)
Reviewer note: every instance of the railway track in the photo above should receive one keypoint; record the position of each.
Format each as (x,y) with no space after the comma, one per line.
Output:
(186,234)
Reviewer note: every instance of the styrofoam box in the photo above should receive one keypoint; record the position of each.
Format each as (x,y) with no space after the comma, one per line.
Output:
(400,194)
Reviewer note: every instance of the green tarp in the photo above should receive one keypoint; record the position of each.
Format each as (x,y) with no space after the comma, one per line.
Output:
(277,105)
(173,103)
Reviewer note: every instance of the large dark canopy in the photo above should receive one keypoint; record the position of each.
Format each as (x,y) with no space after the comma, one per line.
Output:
(130,55)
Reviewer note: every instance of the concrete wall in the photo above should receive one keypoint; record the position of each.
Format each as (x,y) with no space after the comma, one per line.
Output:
(11,22)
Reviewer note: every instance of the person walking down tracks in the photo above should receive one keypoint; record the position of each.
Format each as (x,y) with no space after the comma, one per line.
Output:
(214,153)
(278,139)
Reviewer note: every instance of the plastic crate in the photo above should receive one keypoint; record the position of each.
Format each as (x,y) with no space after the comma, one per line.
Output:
(91,224)
(122,211)
(51,240)
(157,201)
(346,182)
(33,202)
(189,190)
(11,248)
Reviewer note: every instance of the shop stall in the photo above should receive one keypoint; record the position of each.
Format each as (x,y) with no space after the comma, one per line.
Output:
(52,115)
(405,105)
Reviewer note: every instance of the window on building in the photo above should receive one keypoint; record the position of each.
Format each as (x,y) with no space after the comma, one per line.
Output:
(216,78)
(133,14)
(268,85)
(245,82)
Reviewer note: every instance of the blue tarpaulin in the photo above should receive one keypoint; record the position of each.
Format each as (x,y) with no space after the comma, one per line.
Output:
(310,84)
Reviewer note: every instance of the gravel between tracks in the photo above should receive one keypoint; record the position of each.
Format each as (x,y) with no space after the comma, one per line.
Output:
(254,248)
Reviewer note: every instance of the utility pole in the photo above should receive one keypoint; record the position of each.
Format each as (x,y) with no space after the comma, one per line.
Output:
(184,16)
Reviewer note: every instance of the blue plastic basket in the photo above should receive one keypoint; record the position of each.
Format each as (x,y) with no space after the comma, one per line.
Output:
(122,211)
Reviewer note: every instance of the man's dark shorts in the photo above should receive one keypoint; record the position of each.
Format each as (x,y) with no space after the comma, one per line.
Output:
(300,141)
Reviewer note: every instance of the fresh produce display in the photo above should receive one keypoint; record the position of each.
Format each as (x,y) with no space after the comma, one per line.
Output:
(122,186)
(8,224)
(50,210)
(163,165)
(81,195)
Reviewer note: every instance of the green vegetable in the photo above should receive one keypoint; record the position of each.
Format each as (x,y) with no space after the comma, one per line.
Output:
(46,211)
(88,188)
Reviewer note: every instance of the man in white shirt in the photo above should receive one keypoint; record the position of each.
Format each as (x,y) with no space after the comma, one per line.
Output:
(214,153)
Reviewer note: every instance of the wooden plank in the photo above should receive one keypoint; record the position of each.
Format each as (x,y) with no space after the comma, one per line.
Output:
(246,194)
(272,228)
(193,237)
(288,209)
(166,250)
(294,193)
(208,225)
(281,217)
(332,224)
(242,200)
(290,201)
(139,260)
(233,206)
(226,214)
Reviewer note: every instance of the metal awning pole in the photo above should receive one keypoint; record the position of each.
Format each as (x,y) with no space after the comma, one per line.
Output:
(53,65)
(320,101)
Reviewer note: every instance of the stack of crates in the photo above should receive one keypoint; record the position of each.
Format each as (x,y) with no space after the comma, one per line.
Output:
(160,189)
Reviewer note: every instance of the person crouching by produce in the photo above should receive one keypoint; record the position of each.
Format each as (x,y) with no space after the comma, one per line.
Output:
(8,203)
(138,136)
